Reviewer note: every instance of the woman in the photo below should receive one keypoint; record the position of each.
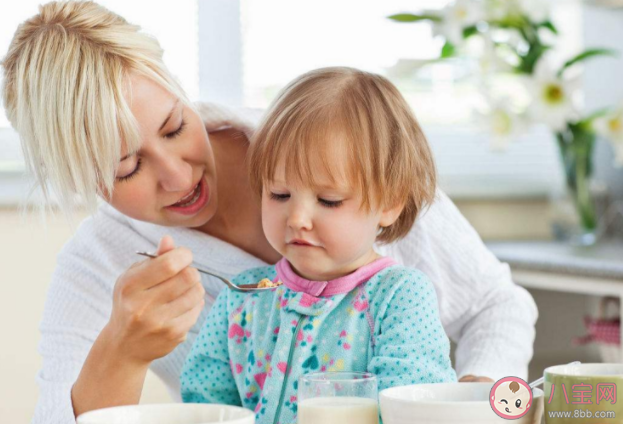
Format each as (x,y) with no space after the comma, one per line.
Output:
(100,117)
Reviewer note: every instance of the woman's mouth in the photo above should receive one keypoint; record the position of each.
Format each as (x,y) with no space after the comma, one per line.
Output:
(194,201)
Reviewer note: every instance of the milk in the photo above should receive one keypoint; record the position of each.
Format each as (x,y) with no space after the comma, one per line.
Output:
(338,410)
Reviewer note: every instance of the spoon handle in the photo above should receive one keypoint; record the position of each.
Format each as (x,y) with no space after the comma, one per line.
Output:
(540,381)
(246,288)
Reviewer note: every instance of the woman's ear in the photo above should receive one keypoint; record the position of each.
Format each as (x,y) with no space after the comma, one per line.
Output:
(390,215)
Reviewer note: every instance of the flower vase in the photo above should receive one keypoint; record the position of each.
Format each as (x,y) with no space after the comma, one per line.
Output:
(576,217)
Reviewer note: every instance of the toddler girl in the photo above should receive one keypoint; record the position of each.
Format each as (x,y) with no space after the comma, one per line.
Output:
(340,163)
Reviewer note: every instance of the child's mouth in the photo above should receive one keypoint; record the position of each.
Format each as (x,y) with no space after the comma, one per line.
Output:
(302,243)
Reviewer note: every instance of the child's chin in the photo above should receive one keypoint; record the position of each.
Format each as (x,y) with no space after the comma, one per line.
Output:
(308,270)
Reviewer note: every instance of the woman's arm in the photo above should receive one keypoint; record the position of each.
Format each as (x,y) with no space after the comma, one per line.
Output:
(489,317)
(96,352)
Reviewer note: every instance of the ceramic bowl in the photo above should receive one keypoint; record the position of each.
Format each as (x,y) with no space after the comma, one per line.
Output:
(449,403)
(169,413)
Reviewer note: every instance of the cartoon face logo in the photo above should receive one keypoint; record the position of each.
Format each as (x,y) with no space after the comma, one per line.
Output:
(510,398)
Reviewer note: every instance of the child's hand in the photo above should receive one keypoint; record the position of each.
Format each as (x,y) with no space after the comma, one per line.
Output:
(474,379)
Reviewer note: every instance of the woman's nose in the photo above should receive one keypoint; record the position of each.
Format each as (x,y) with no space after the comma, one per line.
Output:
(300,217)
(175,174)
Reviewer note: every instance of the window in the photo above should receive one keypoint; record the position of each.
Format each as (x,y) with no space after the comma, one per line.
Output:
(281,39)
(242,52)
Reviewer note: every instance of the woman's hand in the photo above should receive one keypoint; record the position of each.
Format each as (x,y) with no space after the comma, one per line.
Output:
(474,379)
(155,304)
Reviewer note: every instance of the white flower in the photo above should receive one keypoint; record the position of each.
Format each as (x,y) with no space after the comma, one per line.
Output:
(503,123)
(499,9)
(456,17)
(489,60)
(552,97)
(536,11)
(611,127)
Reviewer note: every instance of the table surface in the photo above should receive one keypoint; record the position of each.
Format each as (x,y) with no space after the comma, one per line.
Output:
(603,260)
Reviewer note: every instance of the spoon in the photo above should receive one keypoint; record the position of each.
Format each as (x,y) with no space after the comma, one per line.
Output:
(247,288)
(539,381)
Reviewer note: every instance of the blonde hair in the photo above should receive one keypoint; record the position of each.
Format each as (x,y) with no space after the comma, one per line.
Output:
(66,77)
(390,160)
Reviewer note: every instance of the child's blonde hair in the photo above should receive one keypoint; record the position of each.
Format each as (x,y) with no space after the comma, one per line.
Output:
(66,76)
(390,160)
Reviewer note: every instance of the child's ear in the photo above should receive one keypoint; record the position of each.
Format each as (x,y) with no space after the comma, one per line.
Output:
(390,215)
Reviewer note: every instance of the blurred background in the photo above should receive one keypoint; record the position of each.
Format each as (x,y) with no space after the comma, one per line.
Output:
(470,70)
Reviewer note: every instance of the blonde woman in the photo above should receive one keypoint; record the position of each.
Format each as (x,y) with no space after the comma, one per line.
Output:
(100,117)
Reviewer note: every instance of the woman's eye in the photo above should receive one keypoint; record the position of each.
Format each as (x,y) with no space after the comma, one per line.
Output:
(133,173)
(330,203)
(279,197)
(518,403)
(177,132)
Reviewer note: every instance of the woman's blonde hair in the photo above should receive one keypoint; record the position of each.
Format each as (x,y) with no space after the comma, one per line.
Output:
(66,78)
(390,160)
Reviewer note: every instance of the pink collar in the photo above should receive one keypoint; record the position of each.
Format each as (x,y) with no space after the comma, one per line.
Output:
(332,287)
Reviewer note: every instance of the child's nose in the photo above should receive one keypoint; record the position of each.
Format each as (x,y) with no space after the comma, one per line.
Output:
(299,218)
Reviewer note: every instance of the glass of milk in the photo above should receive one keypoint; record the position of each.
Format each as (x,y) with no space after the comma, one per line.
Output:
(338,398)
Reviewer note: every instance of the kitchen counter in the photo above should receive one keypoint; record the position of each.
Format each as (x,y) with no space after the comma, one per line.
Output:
(555,266)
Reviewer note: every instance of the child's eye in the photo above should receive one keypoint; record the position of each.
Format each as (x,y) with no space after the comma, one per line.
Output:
(330,203)
(279,197)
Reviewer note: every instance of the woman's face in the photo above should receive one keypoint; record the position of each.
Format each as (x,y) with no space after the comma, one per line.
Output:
(171,180)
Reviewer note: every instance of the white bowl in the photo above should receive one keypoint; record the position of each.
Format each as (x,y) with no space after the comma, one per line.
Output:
(169,413)
(447,403)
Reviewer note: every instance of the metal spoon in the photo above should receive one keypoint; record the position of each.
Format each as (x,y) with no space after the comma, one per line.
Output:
(245,289)
(540,381)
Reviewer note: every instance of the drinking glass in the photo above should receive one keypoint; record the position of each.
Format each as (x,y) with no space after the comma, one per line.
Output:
(338,398)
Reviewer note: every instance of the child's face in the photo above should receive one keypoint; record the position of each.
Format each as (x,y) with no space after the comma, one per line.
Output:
(323,233)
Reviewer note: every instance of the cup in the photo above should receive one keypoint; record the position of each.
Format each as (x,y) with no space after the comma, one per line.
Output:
(338,398)
(169,413)
(583,394)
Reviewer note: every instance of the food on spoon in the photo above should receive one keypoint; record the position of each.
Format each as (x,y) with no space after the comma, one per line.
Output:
(266,283)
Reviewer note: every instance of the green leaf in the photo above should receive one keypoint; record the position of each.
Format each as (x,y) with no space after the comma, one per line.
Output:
(409,17)
(549,25)
(469,31)
(528,61)
(587,54)
(512,21)
(448,50)
(587,122)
